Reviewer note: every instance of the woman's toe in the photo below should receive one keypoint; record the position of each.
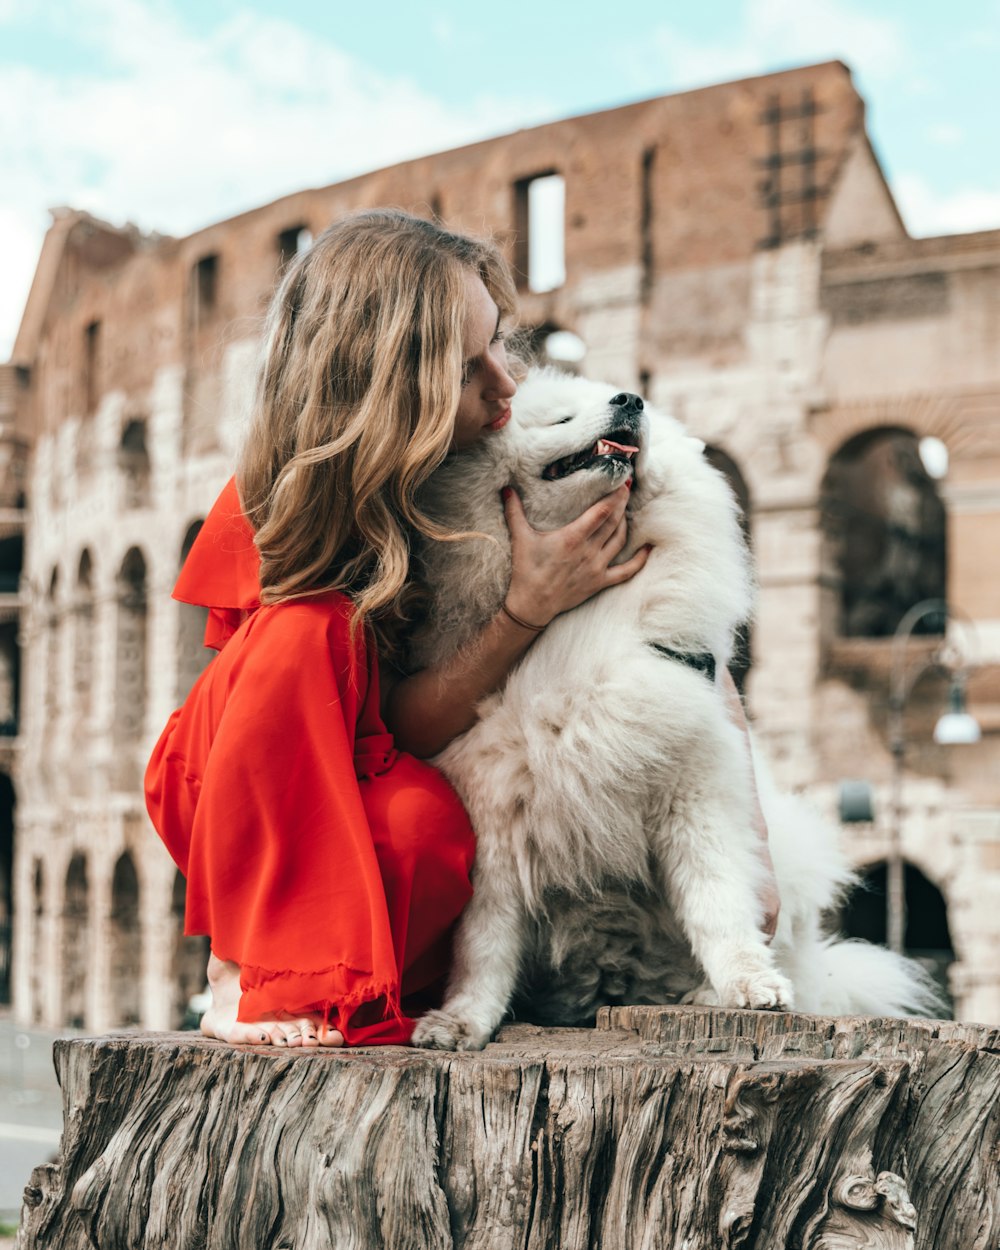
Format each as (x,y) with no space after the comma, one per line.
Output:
(307,1031)
(327,1036)
(243,1034)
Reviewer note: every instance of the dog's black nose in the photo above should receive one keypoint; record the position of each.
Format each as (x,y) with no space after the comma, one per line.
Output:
(629,404)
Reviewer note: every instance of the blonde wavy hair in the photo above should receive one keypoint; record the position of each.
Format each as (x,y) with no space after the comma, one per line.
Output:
(355,407)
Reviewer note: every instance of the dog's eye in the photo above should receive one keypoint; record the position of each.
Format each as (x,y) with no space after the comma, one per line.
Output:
(563,420)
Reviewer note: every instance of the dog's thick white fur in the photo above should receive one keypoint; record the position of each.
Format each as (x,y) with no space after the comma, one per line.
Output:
(610,790)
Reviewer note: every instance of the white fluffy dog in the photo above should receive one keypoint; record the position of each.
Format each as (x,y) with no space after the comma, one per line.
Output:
(610,791)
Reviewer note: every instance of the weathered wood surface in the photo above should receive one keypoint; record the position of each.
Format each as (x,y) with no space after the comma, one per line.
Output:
(678,1128)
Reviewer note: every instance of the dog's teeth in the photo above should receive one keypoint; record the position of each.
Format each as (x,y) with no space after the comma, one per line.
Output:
(605,447)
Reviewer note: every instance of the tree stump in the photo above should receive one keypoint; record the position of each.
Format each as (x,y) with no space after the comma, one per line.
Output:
(674,1128)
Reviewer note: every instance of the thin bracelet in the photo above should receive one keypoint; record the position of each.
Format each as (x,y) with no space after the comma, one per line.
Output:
(535,629)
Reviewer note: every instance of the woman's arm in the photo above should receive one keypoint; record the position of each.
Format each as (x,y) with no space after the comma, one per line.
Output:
(551,573)
(769,896)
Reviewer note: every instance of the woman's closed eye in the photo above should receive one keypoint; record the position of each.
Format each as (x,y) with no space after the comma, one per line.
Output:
(470,366)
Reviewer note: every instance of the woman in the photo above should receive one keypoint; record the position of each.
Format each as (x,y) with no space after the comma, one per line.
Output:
(327,867)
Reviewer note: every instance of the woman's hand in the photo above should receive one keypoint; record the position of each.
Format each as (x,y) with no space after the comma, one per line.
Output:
(552,572)
(556,570)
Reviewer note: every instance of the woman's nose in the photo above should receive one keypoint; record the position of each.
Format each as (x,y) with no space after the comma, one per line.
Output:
(500,384)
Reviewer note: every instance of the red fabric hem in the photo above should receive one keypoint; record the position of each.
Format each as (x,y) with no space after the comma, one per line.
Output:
(336,993)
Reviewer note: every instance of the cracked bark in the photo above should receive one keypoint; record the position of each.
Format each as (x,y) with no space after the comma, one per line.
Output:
(664,1127)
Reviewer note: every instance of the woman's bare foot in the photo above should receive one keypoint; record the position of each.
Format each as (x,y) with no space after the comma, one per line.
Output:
(220,1021)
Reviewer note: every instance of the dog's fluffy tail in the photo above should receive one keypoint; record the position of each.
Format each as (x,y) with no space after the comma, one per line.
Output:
(855,978)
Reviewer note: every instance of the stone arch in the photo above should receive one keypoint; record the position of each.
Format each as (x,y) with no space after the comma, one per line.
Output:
(6,883)
(190,959)
(130,672)
(83,638)
(126,942)
(743,650)
(133,464)
(11,562)
(927,934)
(884,535)
(935,415)
(37,954)
(10,669)
(192,654)
(75,952)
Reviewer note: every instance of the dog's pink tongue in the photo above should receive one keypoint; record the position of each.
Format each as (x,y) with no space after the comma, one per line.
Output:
(605,447)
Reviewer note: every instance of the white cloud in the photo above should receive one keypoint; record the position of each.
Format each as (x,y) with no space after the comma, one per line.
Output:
(946,135)
(776,33)
(181,131)
(927,212)
(20,232)
(443,30)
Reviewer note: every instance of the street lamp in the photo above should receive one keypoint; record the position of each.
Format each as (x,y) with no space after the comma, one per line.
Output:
(955,728)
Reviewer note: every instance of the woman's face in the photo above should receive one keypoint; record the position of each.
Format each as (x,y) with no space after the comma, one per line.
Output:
(487,387)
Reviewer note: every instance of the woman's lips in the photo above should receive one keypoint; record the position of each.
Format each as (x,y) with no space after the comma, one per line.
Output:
(501,421)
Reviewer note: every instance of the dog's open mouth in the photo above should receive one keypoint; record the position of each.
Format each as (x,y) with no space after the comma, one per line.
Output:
(605,450)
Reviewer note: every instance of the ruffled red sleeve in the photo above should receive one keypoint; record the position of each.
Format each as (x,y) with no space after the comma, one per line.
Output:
(254,790)
(222,569)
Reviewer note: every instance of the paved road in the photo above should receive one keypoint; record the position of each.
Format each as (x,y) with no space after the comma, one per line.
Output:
(30,1109)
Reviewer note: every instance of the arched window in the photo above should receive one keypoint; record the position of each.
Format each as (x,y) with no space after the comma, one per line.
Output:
(742,651)
(83,640)
(6,882)
(133,464)
(884,533)
(192,654)
(540,231)
(130,675)
(126,942)
(9,670)
(37,927)
(927,936)
(11,563)
(75,944)
(52,640)
(11,560)
(292,241)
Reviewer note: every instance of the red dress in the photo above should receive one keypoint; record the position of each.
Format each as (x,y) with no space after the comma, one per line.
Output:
(326,864)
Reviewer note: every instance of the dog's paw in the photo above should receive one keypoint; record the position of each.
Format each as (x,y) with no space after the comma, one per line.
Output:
(446,1030)
(764,990)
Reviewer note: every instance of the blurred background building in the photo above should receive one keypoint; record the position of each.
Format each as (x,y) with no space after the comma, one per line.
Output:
(733,253)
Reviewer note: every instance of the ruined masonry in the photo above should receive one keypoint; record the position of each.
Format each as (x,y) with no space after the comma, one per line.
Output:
(733,253)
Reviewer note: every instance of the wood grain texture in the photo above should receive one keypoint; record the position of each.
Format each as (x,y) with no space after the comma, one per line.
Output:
(674,1128)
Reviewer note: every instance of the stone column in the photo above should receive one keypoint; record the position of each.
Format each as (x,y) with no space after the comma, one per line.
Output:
(974,916)
(103,697)
(782,681)
(48,953)
(158,936)
(161,644)
(101,1014)
(25,955)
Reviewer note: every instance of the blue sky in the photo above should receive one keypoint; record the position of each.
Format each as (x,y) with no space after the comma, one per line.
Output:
(174,113)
